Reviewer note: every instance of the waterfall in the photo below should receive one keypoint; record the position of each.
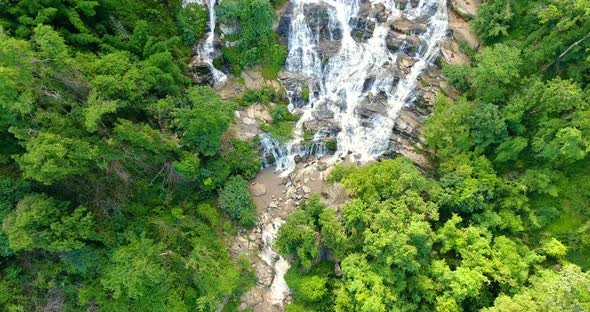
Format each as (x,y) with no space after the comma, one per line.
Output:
(358,75)
(206,49)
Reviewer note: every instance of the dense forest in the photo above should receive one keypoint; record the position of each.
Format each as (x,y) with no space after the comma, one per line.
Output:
(112,160)
(119,190)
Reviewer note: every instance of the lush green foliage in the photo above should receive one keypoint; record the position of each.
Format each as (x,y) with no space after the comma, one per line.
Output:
(283,123)
(110,161)
(257,44)
(236,201)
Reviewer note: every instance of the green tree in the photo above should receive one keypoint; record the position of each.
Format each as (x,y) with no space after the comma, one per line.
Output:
(41,222)
(497,70)
(204,119)
(192,22)
(51,157)
(493,20)
(235,200)
(137,278)
(16,77)
(256,41)
(565,290)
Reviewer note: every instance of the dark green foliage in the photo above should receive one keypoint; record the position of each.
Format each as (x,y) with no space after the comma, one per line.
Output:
(192,22)
(263,96)
(236,201)
(458,75)
(110,161)
(40,222)
(283,123)
(243,158)
(257,44)
(493,20)
(300,235)
(203,119)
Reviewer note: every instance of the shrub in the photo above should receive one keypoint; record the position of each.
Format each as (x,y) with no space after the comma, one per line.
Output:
(236,201)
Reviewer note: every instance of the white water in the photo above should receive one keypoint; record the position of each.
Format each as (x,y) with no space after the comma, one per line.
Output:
(206,49)
(338,86)
(278,288)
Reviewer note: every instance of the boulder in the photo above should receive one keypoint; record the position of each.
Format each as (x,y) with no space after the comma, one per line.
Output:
(317,17)
(407,26)
(327,49)
(252,298)
(405,64)
(396,39)
(380,12)
(362,25)
(322,114)
(465,8)
(258,189)
(306,189)
(372,105)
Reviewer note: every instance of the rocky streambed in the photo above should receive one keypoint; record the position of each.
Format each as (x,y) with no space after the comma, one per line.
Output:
(276,198)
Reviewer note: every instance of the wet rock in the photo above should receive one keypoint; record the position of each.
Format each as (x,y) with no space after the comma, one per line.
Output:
(201,73)
(396,39)
(402,4)
(264,274)
(298,159)
(373,105)
(328,125)
(380,13)
(322,114)
(405,64)
(284,25)
(327,49)
(317,17)
(362,25)
(258,189)
(252,298)
(407,26)
(294,83)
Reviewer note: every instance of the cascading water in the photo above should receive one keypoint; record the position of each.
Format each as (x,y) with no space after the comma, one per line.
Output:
(206,49)
(359,73)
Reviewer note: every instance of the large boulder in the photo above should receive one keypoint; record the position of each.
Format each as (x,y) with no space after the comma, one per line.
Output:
(363,25)
(405,63)
(396,39)
(258,189)
(372,106)
(407,26)
(465,8)
(318,17)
